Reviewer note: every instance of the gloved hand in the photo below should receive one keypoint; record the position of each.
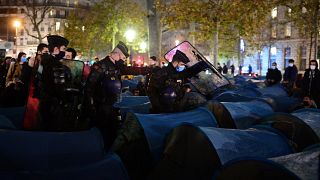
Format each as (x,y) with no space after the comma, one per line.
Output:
(203,64)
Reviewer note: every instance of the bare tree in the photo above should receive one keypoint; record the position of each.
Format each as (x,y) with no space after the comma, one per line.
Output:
(36,11)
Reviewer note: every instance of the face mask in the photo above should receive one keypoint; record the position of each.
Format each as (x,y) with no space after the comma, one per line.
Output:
(60,55)
(312,67)
(290,65)
(23,59)
(180,68)
(273,67)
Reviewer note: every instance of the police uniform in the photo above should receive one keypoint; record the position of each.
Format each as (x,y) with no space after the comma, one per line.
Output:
(103,89)
(154,69)
(166,85)
(53,77)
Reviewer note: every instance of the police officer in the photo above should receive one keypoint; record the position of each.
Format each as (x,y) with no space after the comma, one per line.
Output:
(166,87)
(103,88)
(54,78)
(154,69)
(273,75)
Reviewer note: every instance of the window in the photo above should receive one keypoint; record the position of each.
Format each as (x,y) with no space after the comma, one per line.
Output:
(273,51)
(21,32)
(303,52)
(57,26)
(274,13)
(42,28)
(51,13)
(287,52)
(287,32)
(274,32)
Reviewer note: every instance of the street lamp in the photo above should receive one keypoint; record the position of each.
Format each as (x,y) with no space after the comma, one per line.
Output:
(16,24)
(130,35)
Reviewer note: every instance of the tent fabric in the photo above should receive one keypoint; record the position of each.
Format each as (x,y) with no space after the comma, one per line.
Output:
(26,150)
(275,90)
(129,83)
(230,96)
(187,155)
(190,150)
(14,114)
(157,126)
(140,142)
(310,117)
(137,104)
(299,133)
(240,115)
(5,123)
(282,103)
(248,92)
(231,144)
(253,169)
(304,164)
(110,167)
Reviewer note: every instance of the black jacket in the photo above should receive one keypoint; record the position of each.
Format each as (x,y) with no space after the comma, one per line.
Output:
(311,84)
(94,90)
(273,74)
(290,74)
(168,76)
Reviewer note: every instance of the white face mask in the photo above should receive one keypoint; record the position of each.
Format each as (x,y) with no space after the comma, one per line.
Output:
(273,67)
(312,67)
(290,64)
(180,68)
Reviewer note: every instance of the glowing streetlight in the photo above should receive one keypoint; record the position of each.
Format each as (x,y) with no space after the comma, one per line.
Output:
(16,24)
(130,35)
(143,46)
(177,42)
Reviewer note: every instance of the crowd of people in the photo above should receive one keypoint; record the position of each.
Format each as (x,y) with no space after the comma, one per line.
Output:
(306,86)
(57,101)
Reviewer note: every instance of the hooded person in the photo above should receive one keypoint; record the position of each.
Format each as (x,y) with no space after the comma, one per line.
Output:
(165,89)
(103,88)
(311,84)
